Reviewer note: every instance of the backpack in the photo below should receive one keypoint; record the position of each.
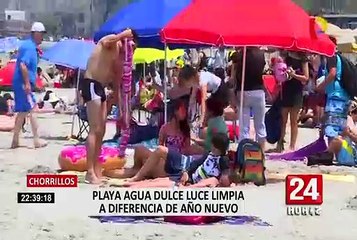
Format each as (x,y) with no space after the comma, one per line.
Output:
(250,160)
(320,158)
(349,76)
(273,123)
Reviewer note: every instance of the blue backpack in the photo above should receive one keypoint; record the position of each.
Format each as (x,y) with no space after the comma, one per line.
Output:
(250,161)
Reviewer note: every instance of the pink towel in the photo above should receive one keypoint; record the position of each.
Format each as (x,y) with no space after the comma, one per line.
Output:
(126,90)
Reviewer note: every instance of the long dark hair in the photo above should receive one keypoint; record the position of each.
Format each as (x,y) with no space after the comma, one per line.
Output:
(202,62)
(183,124)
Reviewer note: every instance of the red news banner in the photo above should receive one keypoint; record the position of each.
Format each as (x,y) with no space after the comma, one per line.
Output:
(45,181)
(51,181)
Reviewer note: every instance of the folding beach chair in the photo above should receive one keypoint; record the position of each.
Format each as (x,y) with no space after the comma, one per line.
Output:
(83,125)
(142,114)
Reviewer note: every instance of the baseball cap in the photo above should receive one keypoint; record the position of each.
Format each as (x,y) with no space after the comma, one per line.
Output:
(38,27)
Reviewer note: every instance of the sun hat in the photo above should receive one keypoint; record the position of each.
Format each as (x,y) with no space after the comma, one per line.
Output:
(38,27)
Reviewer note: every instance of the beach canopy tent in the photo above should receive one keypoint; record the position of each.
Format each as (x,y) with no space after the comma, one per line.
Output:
(146,17)
(148,55)
(7,74)
(274,23)
(71,53)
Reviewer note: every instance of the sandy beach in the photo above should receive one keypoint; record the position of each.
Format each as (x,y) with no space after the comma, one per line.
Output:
(338,219)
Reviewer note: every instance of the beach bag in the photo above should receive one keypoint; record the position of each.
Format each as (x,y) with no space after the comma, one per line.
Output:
(250,161)
(142,133)
(320,158)
(349,76)
(273,122)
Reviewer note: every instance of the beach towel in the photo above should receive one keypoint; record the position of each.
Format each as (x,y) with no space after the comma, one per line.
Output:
(299,155)
(126,89)
(236,220)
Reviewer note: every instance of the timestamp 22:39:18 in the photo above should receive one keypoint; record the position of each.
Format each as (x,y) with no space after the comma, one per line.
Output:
(35,197)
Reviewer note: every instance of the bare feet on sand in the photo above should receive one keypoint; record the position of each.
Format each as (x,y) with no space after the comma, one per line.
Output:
(98,170)
(15,144)
(91,178)
(133,179)
(39,143)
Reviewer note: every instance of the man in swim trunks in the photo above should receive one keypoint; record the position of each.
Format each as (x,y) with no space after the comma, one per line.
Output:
(104,66)
(24,84)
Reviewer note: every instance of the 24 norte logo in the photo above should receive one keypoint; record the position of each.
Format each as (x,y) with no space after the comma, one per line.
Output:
(304,194)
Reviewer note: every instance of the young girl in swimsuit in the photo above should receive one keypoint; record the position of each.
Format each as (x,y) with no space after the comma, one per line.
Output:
(175,135)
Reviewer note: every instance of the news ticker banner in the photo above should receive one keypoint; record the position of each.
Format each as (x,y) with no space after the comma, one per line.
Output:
(92,201)
(60,193)
(135,202)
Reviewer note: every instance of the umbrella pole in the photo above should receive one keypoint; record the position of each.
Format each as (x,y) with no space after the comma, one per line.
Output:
(77,101)
(242,92)
(165,85)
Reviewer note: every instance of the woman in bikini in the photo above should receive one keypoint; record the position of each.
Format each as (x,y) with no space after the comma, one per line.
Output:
(174,135)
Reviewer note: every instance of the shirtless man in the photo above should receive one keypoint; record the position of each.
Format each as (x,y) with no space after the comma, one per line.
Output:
(104,66)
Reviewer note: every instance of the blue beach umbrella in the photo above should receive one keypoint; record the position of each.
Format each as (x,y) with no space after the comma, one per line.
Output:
(9,44)
(70,53)
(146,17)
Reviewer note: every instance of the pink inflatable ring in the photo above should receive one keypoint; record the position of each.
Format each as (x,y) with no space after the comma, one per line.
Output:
(74,158)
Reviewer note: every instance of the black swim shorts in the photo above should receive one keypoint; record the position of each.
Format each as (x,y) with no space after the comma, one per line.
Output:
(92,90)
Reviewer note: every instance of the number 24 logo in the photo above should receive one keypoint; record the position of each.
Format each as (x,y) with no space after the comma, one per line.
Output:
(310,189)
(304,189)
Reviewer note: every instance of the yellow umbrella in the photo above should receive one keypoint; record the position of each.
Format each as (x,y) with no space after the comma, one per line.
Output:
(322,23)
(148,55)
(345,37)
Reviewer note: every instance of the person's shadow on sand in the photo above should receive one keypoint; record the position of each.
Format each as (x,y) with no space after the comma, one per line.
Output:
(51,138)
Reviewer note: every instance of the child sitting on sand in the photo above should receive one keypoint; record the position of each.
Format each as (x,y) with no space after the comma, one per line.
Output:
(210,170)
(215,124)
(215,165)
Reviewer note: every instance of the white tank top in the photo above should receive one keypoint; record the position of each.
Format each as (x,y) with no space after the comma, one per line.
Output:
(212,81)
